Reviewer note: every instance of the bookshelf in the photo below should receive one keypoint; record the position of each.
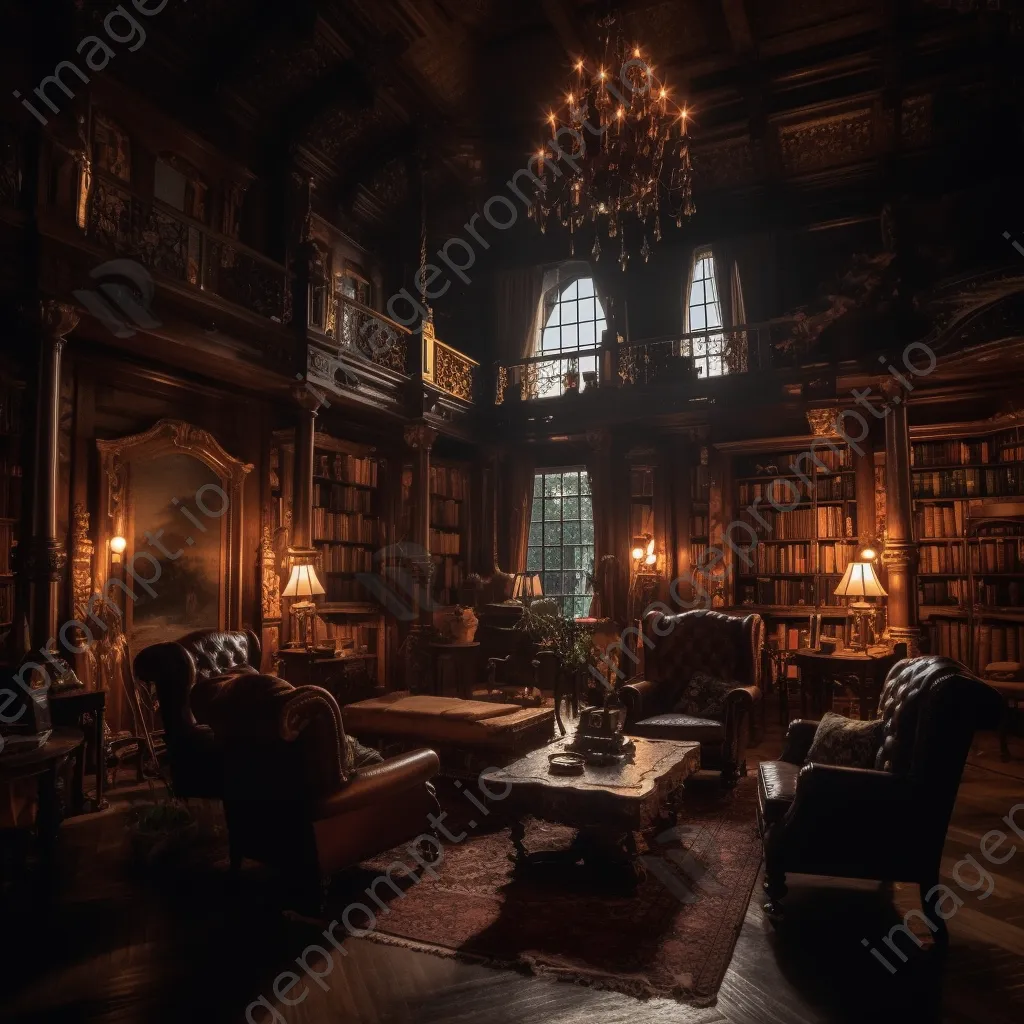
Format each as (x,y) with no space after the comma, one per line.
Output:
(11,476)
(952,480)
(802,550)
(449,525)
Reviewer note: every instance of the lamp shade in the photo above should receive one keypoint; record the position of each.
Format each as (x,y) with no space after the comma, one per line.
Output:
(526,587)
(303,583)
(860,581)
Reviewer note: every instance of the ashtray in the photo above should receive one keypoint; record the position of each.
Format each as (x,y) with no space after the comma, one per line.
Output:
(566,764)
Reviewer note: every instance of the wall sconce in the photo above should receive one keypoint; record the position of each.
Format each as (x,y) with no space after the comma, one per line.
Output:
(643,553)
(118,546)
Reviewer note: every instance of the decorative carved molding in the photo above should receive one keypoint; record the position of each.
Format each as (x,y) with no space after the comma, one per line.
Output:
(271,581)
(82,550)
(175,435)
(827,141)
(57,319)
(44,559)
(724,163)
(420,436)
(453,372)
(823,421)
(916,120)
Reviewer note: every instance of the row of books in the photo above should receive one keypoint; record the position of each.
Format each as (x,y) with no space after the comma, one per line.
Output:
(777,491)
(998,593)
(945,521)
(995,641)
(698,526)
(1015,454)
(820,460)
(348,469)
(447,573)
(445,543)
(447,482)
(997,555)
(345,558)
(931,592)
(834,558)
(769,591)
(949,453)
(445,512)
(354,527)
(6,540)
(789,558)
(342,498)
(941,558)
(826,523)
(968,483)
(10,489)
(342,590)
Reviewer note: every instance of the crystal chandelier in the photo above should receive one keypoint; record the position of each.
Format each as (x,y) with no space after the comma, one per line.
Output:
(619,154)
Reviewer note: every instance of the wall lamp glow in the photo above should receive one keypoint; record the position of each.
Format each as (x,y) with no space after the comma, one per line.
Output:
(118,546)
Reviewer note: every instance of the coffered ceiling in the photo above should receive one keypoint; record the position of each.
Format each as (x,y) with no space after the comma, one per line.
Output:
(787,94)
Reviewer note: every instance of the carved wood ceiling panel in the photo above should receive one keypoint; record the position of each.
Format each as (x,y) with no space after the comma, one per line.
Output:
(776,17)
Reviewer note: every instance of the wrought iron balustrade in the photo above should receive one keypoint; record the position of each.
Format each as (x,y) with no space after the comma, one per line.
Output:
(693,357)
(175,246)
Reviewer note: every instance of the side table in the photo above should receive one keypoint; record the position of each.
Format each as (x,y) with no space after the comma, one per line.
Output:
(84,709)
(43,763)
(348,678)
(864,671)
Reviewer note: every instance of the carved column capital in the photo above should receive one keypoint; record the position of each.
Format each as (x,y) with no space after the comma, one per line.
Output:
(823,421)
(900,556)
(306,398)
(420,436)
(57,319)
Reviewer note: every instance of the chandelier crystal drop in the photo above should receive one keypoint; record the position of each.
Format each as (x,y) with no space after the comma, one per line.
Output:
(618,149)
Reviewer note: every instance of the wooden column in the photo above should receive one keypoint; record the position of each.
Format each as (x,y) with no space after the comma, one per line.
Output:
(900,556)
(46,556)
(302,493)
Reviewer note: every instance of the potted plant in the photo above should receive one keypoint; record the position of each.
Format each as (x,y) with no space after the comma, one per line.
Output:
(571,378)
(160,830)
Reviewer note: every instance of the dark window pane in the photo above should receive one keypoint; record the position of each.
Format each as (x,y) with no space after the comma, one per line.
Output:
(552,509)
(587,508)
(552,533)
(553,558)
(572,483)
(570,508)
(584,483)
(573,533)
(533,559)
(536,534)
(552,485)
(587,530)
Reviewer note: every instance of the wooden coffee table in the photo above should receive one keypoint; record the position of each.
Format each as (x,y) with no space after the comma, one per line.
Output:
(606,805)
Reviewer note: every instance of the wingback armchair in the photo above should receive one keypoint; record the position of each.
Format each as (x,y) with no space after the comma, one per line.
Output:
(298,794)
(888,822)
(725,647)
(174,668)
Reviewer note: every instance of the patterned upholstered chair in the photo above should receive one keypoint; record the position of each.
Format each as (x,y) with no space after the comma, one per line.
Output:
(887,823)
(175,669)
(724,647)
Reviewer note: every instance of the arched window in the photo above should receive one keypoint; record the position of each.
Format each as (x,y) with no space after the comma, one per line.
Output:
(704,314)
(574,321)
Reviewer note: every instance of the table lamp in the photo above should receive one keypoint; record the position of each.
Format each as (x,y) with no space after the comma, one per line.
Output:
(860,581)
(304,584)
(526,588)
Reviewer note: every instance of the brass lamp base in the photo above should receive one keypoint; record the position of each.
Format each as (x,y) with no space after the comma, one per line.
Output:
(862,612)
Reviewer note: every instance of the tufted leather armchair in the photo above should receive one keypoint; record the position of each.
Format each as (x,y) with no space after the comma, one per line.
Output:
(175,669)
(675,646)
(293,797)
(888,822)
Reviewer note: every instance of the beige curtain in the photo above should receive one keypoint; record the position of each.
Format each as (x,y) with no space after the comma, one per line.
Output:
(730,297)
(517,312)
(516,510)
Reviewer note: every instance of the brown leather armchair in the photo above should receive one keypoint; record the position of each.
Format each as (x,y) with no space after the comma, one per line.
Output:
(727,647)
(889,822)
(175,668)
(292,797)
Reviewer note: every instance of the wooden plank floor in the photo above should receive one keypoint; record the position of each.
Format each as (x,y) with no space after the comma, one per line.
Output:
(120,945)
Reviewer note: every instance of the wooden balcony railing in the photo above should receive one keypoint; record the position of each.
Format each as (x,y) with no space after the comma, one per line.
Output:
(447,368)
(693,357)
(173,245)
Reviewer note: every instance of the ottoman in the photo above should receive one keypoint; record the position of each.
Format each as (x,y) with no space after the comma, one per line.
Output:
(468,735)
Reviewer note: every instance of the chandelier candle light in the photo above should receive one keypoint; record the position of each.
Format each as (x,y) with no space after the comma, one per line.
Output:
(621,153)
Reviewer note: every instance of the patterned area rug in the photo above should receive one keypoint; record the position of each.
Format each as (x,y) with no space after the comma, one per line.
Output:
(672,935)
